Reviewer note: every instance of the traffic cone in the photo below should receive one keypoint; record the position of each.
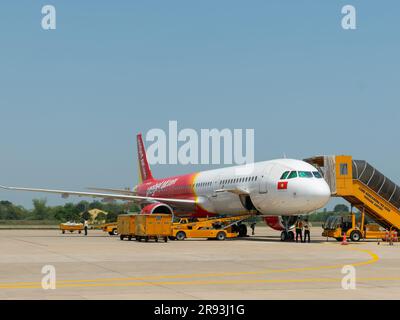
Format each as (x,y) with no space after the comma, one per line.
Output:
(344,241)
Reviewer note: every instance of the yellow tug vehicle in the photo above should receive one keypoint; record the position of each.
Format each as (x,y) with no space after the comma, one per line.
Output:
(214,228)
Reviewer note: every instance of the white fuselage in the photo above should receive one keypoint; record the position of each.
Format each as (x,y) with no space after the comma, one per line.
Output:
(220,191)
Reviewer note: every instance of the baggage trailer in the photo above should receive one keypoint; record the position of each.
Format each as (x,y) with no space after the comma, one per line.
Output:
(126,226)
(71,227)
(153,226)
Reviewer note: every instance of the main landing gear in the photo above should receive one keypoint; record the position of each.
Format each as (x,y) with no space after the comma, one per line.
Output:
(241,229)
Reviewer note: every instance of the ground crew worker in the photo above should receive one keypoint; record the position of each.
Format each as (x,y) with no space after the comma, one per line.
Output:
(299,230)
(85,225)
(307,226)
(253,227)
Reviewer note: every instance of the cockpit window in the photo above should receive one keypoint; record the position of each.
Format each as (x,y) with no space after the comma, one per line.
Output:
(317,174)
(305,174)
(292,175)
(284,175)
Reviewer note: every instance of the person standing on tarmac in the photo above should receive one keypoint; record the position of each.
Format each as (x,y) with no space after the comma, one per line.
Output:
(307,226)
(85,226)
(253,226)
(299,230)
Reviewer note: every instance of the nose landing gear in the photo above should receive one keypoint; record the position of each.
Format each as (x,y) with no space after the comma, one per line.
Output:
(288,223)
(287,235)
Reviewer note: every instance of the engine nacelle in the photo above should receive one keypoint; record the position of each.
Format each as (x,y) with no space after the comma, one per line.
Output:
(280,222)
(157,207)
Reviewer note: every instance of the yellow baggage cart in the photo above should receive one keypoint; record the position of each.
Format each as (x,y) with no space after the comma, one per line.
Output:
(126,226)
(153,226)
(71,227)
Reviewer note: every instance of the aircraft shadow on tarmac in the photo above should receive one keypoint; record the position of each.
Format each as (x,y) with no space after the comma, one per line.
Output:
(269,239)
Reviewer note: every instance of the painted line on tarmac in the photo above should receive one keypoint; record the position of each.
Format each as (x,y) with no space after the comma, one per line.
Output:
(210,282)
(87,282)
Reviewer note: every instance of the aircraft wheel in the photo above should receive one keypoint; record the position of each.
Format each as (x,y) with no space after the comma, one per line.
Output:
(242,230)
(284,236)
(290,236)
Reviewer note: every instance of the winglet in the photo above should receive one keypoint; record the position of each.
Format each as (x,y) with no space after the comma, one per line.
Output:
(144,168)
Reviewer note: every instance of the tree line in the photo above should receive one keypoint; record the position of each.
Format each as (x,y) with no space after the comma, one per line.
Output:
(77,211)
(67,212)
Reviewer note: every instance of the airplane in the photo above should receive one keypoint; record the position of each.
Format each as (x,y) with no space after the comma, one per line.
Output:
(278,190)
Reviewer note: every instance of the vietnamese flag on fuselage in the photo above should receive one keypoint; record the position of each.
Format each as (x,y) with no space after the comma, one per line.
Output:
(282,185)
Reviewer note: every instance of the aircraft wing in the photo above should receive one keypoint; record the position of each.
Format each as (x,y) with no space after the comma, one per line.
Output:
(112,196)
(120,191)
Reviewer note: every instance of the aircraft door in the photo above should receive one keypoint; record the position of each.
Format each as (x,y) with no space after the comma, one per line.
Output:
(263,184)
(216,186)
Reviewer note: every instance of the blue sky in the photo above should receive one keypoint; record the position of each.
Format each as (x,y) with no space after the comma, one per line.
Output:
(73,99)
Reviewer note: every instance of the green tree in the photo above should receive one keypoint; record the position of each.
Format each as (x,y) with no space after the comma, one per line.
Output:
(101,217)
(71,212)
(341,208)
(82,206)
(112,216)
(58,213)
(40,210)
(86,215)
(96,205)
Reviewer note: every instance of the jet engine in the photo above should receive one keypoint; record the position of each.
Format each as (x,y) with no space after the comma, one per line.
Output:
(157,207)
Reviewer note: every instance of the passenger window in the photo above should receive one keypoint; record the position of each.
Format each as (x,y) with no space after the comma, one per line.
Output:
(292,175)
(284,175)
(343,169)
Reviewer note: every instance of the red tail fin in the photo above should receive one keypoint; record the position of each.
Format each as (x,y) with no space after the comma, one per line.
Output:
(145,172)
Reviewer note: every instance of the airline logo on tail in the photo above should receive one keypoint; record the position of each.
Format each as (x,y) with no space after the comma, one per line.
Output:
(145,172)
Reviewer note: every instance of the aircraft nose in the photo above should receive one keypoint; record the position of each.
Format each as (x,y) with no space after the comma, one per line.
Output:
(316,195)
(320,194)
